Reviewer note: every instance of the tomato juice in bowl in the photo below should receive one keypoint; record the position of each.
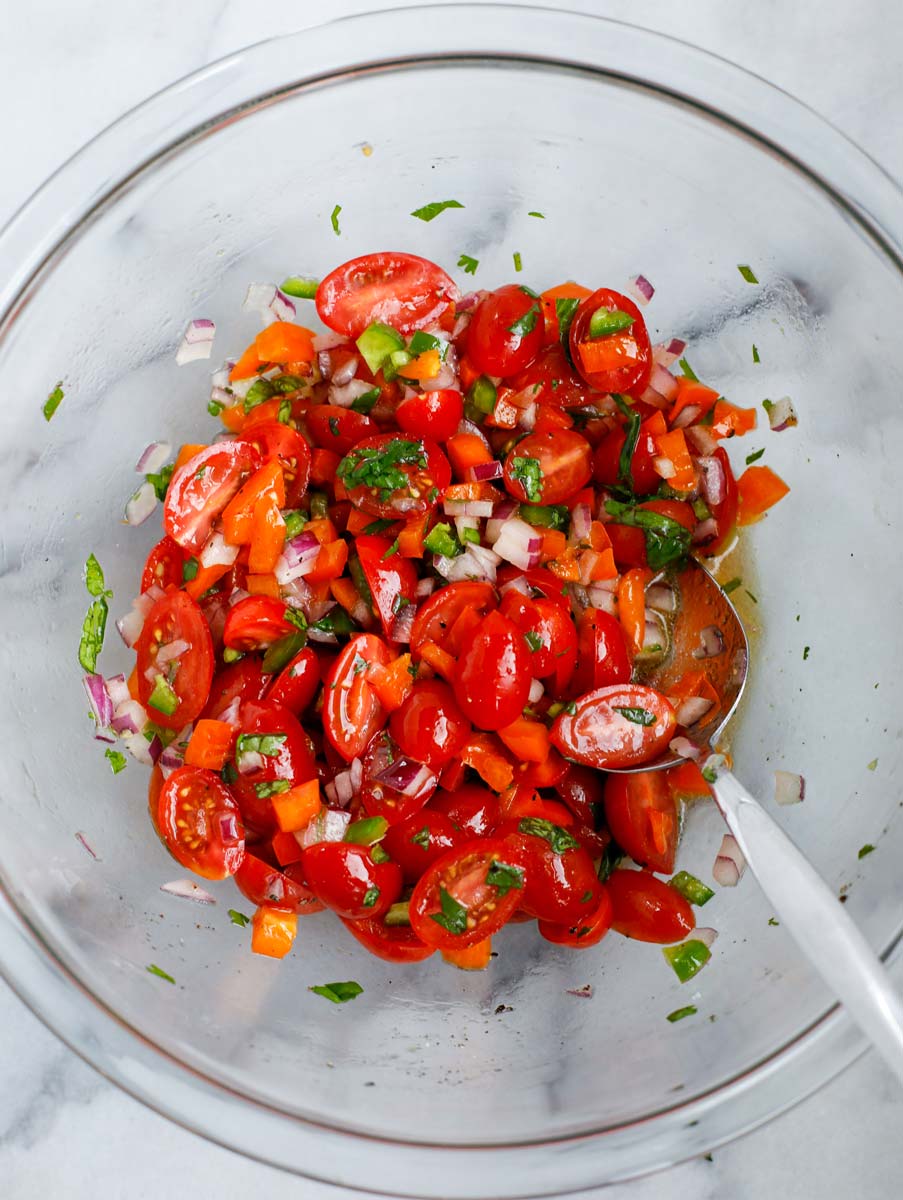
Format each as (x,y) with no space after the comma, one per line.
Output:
(409,1030)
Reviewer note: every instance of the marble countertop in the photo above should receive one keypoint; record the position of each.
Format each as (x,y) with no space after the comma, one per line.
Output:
(70,69)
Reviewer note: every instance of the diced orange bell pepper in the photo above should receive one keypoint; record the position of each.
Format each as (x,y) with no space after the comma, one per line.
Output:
(441,662)
(186,453)
(554,543)
(205,579)
(284,342)
(565,566)
(322,529)
(133,685)
(267,536)
(248,365)
(472,492)
(607,353)
(263,413)
(730,421)
(297,807)
(673,447)
(483,754)
(263,585)
(233,417)
(690,393)
(209,745)
(346,593)
(597,565)
(238,515)
(632,605)
(548,418)
(323,466)
(393,682)
(330,562)
(472,958)
(425,366)
(286,848)
(273,931)
(358,521)
(758,488)
(466,450)
(410,538)
(527,740)
(687,782)
(563,291)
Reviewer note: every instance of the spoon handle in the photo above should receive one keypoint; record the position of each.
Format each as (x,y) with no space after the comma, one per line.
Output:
(818,923)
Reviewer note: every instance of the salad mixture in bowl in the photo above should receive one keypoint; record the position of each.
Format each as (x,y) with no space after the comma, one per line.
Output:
(397,626)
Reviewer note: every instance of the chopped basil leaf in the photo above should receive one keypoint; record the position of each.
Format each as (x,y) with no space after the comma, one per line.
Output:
(688,371)
(367,831)
(295,617)
(287,383)
(625,459)
(548,516)
(756,353)
(453,916)
(116,760)
(606,321)
(153,969)
(365,404)
(378,854)
(271,787)
(334,426)
(527,323)
(691,888)
(430,211)
(533,640)
(611,856)
(190,569)
(518,261)
(379,467)
(587,896)
(215,407)
(53,401)
(709,774)
(295,520)
(441,540)
(379,526)
(679,1013)
(370,897)
(93,630)
(301,286)
(873,765)
(542,216)
(268,744)
(687,959)
(639,716)
(335,621)
(468,265)
(773,921)
(866,849)
(160,480)
(393,549)
(755,456)
(504,877)
(422,839)
(805,652)
(747,273)
(163,698)
(667,540)
(94,580)
(238,918)
(319,505)
(565,307)
(338,993)
(559,839)
(334,220)
(731,585)
(528,474)
(398,914)
(751,596)
(259,391)
(229,774)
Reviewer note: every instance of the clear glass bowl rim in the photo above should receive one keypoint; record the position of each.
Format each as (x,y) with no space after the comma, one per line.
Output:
(63,208)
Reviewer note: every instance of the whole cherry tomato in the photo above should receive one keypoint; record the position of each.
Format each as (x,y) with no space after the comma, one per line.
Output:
(394,943)
(344,877)
(418,841)
(429,726)
(550,635)
(296,685)
(435,415)
(492,681)
(506,331)
(647,910)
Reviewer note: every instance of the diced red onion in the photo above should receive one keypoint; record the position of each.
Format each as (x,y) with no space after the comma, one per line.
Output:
(641,289)
(319,608)
(83,841)
(704,934)
(220,377)
(249,762)
(500,514)
(517,584)
(654,633)
(328,826)
(654,399)
(320,635)
(684,748)
(483,472)
(298,558)
(297,594)
(357,774)
(362,616)
(197,342)
(581,522)
(425,587)
(403,624)
(341,790)
(477,562)
(601,597)
(173,755)
(714,482)
(702,439)
(132,623)
(104,735)
(686,416)
(666,353)
(216,551)
(587,564)
(346,372)
(586,992)
(267,300)
(537,691)
(141,504)
(118,690)
(789,788)
(237,595)
(140,749)
(405,775)
(663,382)
(711,643)
(470,301)
(705,531)
(172,650)
(664,467)
(446,378)
(692,709)
(328,340)
(527,418)
(187,889)
(729,863)
(221,396)
(519,544)
(345,396)
(99,699)
(782,415)
(129,717)
(230,714)
(282,307)
(461,323)
(661,598)
(466,426)
(324,364)
(153,458)
(229,831)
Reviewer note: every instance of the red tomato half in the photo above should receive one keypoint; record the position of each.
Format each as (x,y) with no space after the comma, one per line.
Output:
(344,877)
(588,931)
(642,815)
(435,415)
(620,726)
(562,885)
(549,467)
(416,843)
(457,890)
(351,711)
(400,290)
(439,612)
(257,621)
(164,565)
(429,726)
(506,331)
(242,680)
(200,824)
(394,943)
(174,622)
(267,886)
(602,655)
(550,379)
(200,490)
(291,764)
(552,638)
(472,809)
(297,684)
(391,475)
(492,681)
(337,429)
(607,460)
(619,362)
(646,909)
(392,580)
(273,441)
(393,786)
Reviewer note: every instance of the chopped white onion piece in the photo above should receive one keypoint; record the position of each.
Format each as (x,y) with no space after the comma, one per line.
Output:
(216,551)
(729,863)
(711,642)
(684,748)
(782,414)
(345,396)
(692,709)
(519,544)
(346,372)
(153,458)
(661,598)
(171,651)
(536,691)
(789,788)
(328,340)
(664,467)
(704,934)
(328,826)
(141,504)
(186,889)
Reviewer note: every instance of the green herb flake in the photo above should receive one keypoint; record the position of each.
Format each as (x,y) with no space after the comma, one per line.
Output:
(399,603)
(528,473)
(667,540)
(709,774)
(370,897)
(747,273)
(153,969)
(338,993)
(93,630)
(731,585)
(518,261)
(453,916)
(873,765)
(687,959)
(687,370)
(365,404)
(611,856)
(756,353)
(380,525)
(755,456)
(805,652)
(268,744)
(300,286)
(379,467)
(94,580)
(238,918)
(393,549)
(571,707)
(689,1010)
(334,220)
(378,854)
(565,307)
(632,437)
(503,877)
(215,407)
(259,392)
(190,569)
(367,831)
(773,921)
(751,596)
(271,787)
(421,839)
(281,653)
(526,323)
(116,760)
(53,401)
(542,216)
(691,888)
(533,640)
(866,849)
(606,321)
(429,212)
(468,265)
(159,480)
(638,716)
(557,837)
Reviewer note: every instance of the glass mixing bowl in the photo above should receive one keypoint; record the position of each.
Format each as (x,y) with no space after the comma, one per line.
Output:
(644,154)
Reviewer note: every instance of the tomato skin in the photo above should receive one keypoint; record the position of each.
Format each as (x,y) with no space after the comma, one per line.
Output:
(390,577)
(393,943)
(602,655)
(340,874)
(296,685)
(492,680)
(582,789)
(200,823)
(428,826)
(164,565)
(201,488)
(438,613)
(473,809)
(351,711)
(176,618)
(629,799)
(338,429)
(273,441)
(559,384)
(267,886)
(725,513)
(598,736)
(607,458)
(561,888)
(378,796)
(647,910)
(492,347)
(401,290)
(552,625)
(630,351)
(628,545)
(294,762)
(436,415)
(678,510)
(243,679)
(429,726)
(587,931)
(256,622)
(428,478)
(540,583)
(462,873)
(565,464)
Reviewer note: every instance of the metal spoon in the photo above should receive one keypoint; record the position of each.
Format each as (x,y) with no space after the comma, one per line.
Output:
(820,925)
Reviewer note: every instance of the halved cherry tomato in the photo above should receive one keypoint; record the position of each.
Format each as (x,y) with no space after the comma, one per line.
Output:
(618,362)
(429,726)
(581,789)
(435,415)
(646,909)
(337,429)
(549,467)
(550,635)
(392,785)
(275,441)
(619,726)
(628,545)
(297,684)
(506,331)
(200,823)
(418,841)
(550,379)
(400,290)
(439,612)
(351,711)
(394,943)
(164,566)
(290,761)
(390,475)
(175,621)
(257,621)
(642,815)
(344,877)
(607,458)
(200,490)
(602,655)
(539,583)
(242,680)
(492,680)
(456,890)
(677,510)
(391,579)
(521,800)
(585,932)
(266,885)
(472,809)
(562,885)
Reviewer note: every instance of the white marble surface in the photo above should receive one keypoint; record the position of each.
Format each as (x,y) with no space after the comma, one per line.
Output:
(69,67)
